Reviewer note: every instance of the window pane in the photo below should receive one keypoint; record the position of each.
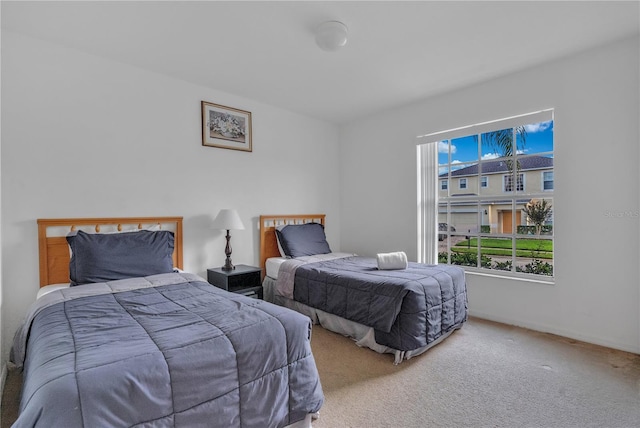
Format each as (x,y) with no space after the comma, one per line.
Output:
(464,179)
(490,182)
(537,218)
(444,230)
(497,144)
(535,251)
(443,220)
(465,252)
(443,177)
(538,138)
(464,217)
(496,253)
(443,152)
(487,217)
(464,149)
(534,255)
(537,173)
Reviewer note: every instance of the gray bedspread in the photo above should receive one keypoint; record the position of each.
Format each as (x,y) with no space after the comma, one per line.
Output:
(408,308)
(163,351)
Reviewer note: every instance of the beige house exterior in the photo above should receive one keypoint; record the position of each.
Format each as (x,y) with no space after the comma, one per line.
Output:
(494,181)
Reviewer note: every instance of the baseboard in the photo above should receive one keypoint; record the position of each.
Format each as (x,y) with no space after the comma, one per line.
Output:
(559,332)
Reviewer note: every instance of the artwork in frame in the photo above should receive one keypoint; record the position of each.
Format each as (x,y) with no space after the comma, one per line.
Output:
(226,127)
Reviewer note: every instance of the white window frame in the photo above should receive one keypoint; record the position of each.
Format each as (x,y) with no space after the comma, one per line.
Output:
(460,181)
(484,181)
(428,198)
(444,184)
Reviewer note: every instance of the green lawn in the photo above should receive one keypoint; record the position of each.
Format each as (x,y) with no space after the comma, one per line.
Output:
(542,249)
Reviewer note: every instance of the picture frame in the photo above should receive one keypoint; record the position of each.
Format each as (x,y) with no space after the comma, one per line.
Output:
(226,127)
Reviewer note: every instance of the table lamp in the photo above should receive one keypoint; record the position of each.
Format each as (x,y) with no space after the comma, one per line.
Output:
(228,219)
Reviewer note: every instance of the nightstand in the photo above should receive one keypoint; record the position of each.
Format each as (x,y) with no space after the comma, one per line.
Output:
(242,280)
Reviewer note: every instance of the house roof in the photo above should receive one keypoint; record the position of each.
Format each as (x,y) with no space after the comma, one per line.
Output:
(500,166)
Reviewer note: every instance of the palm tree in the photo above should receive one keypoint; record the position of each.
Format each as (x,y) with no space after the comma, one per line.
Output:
(502,143)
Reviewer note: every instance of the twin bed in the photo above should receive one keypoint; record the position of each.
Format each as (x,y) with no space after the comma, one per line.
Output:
(119,335)
(400,311)
(144,344)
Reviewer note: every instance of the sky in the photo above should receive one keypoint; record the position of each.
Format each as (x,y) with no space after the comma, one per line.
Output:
(539,139)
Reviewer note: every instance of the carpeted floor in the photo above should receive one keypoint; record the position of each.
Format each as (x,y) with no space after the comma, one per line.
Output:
(10,398)
(484,375)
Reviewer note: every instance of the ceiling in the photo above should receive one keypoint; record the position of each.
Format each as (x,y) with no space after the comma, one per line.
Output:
(397,53)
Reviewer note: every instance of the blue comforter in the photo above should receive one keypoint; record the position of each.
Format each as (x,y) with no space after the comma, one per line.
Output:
(408,308)
(164,351)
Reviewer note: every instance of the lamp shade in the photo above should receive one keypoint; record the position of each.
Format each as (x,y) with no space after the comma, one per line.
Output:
(228,219)
(331,35)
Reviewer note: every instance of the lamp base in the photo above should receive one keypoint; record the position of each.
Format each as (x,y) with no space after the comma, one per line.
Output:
(228,265)
(227,251)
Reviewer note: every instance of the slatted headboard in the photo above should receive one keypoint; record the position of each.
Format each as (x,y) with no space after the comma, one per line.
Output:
(268,224)
(54,250)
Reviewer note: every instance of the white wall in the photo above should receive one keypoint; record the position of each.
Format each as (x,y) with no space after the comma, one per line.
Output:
(87,137)
(83,137)
(596,100)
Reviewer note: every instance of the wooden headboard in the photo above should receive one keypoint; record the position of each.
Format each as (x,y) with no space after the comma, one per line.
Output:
(268,224)
(54,250)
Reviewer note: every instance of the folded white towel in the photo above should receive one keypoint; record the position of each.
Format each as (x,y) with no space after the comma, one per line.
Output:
(397,260)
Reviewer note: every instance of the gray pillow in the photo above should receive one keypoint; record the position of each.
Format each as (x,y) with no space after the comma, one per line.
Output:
(100,257)
(299,240)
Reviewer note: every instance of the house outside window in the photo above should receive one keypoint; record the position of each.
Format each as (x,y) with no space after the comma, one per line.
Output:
(502,225)
(463,183)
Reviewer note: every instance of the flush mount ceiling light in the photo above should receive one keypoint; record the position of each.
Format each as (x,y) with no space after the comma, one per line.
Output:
(331,35)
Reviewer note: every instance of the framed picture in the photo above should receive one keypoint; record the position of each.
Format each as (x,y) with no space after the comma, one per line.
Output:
(226,127)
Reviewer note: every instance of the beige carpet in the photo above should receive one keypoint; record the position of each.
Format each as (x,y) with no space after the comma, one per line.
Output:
(484,375)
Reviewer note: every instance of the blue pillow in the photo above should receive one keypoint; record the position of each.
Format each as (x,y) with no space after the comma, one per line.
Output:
(99,257)
(299,240)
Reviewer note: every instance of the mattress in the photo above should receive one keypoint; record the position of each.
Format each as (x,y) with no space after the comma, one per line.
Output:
(51,287)
(272,266)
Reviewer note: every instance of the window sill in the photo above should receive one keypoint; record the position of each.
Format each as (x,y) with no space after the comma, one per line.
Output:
(513,277)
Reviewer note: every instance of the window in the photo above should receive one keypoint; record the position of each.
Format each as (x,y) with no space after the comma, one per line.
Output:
(508,183)
(444,184)
(502,225)
(547,180)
